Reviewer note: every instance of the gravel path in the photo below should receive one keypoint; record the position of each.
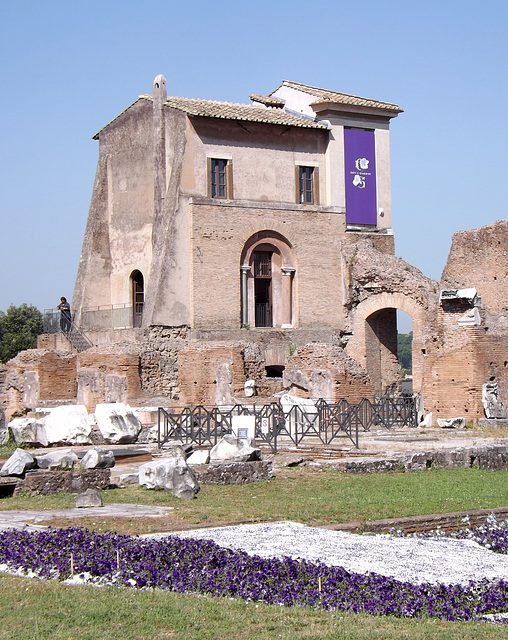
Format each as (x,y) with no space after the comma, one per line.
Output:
(415,560)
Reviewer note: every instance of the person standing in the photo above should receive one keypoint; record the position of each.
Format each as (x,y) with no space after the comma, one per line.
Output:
(65,315)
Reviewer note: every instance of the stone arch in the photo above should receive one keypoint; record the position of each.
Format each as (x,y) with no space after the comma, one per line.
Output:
(267,272)
(380,310)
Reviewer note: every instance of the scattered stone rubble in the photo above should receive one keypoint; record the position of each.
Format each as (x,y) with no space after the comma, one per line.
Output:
(231,461)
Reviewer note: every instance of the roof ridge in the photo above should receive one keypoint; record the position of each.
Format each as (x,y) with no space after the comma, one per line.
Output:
(309,89)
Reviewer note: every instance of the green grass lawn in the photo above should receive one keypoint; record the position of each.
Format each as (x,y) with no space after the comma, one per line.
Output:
(34,610)
(30,609)
(303,495)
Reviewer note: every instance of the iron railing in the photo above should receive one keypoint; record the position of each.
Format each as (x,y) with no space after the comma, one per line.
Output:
(56,322)
(323,423)
(113,316)
(102,318)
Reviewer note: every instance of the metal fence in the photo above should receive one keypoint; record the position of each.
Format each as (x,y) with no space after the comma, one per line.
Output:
(270,424)
(116,316)
(54,323)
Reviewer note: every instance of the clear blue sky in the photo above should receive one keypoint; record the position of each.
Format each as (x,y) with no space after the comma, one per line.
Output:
(68,68)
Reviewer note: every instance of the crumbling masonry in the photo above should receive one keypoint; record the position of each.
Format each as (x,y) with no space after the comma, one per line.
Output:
(228,243)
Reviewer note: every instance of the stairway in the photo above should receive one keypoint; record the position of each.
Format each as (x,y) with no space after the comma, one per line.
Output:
(77,339)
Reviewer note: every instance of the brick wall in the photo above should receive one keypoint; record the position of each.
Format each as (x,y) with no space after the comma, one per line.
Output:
(219,234)
(95,372)
(208,373)
(456,372)
(57,376)
(347,379)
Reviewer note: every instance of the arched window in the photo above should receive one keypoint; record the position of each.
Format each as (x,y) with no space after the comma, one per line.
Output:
(267,281)
(138,297)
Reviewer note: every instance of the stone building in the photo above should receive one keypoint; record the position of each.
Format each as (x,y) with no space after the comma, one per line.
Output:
(229,224)
(233,242)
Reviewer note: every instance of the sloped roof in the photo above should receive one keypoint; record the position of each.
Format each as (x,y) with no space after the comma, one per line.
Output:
(269,101)
(335,97)
(273,114)
(244,112)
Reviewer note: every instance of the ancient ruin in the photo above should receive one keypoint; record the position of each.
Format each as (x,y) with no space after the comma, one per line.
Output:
(234,251)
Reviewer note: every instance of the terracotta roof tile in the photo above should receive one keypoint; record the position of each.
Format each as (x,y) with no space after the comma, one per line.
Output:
(323,95)
(269,101)
(245,112)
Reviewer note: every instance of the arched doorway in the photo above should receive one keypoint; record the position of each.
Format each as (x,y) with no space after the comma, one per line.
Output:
(374,340)
(262,263)
(267,281)
(381,350)
(138,297)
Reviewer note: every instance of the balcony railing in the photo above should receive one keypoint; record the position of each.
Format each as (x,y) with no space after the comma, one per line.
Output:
(56,322)
(115,316)
(102,318)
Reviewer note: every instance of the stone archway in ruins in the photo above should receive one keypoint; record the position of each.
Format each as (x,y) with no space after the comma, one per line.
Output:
(374,340)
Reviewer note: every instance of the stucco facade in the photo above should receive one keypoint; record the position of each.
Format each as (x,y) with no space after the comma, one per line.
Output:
(234,242)
(194,255)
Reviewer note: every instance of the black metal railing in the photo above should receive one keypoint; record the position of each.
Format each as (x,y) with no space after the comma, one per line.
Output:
(56,322)
(322,423)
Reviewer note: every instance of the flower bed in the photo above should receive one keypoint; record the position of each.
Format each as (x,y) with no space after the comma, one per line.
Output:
(186,565)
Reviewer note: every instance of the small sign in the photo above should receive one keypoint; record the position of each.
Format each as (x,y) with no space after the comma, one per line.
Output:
(244,424)
(265,425)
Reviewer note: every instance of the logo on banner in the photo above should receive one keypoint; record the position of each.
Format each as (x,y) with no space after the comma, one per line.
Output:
(361,164)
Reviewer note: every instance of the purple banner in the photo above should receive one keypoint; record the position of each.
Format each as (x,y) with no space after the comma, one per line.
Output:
(360,162)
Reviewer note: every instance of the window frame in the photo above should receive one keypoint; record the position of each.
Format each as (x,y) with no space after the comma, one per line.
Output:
(214,172)
(303,182)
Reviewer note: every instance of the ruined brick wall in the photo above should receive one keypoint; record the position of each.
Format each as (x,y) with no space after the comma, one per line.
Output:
(57,376)
(159,360)
(107,377)
(463,358)
(377,284)
(325,371)
(479,258)
(456,371)
(255,366)
(211,374)
(37,377)
(47,341)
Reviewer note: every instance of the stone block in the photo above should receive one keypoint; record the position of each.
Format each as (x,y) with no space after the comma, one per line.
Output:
(68,425)
(117,423)
(29,431)
(492,403)
(230,448)
(451,423)
(20,462)
(97,458)
(201,456)
(57,460)
(89,498)
(170,474)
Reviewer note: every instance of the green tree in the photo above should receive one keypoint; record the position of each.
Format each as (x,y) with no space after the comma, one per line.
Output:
(19,328)
(405,351)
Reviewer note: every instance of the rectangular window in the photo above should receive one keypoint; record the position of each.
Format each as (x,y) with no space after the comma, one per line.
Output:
(307,185)
(220,184)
